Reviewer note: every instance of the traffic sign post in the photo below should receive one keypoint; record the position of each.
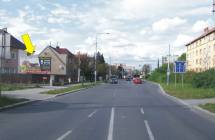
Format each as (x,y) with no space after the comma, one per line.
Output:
(180,67)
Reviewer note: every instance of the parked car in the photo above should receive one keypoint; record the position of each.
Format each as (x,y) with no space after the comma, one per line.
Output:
(137,80)
(113,79)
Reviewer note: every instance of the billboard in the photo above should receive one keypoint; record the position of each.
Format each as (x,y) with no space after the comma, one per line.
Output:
(31,65)
(45,63)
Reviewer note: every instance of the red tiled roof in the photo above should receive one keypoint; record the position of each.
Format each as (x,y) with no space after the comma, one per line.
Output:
(62,50)
(203,35)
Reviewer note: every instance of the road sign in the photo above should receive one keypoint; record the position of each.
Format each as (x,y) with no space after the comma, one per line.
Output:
(180,67)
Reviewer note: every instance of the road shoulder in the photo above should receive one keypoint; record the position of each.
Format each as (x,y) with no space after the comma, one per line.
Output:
(195,108)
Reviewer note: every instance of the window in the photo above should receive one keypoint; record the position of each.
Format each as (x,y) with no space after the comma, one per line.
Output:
(13,55)
(211,37)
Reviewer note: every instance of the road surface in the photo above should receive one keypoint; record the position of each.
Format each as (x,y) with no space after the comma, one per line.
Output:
(107,112)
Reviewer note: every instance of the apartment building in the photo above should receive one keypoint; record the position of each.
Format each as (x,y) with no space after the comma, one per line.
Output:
(201,52)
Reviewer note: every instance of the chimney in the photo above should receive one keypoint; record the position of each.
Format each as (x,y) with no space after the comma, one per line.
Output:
(206,29)
(57,46)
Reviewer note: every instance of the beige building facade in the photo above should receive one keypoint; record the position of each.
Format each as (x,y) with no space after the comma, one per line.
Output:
(59,63)
(201,52)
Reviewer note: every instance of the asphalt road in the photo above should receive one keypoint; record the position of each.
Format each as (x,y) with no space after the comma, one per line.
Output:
(107,112)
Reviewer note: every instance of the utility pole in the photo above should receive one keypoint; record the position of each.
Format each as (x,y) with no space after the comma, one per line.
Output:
(213,7)
(158,64)
(110,68)
(95,67)
(95,72)
(79,65)
(2,56)
(168,68)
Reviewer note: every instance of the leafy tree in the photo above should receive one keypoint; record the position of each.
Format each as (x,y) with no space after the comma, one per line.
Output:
(182,57)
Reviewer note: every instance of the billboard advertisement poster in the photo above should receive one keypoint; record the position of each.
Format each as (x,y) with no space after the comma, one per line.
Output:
(45,63)
(30,65)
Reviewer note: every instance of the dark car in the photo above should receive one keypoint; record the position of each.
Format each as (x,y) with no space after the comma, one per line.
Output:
(113,79)
(128,78)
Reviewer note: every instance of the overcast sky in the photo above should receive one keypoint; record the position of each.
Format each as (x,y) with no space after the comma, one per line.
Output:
(140,29)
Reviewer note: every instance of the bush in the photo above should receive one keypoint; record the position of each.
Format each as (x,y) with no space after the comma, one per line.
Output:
(204,79)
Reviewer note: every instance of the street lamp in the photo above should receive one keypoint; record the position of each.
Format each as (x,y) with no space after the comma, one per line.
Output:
(95,72)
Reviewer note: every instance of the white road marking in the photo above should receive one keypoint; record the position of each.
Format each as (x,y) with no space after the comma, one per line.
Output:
(151,136)
(111,125)
(91,114)
(65,135)
(142,111)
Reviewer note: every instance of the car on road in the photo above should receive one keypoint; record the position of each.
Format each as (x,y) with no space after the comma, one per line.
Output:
(137,80)
(113,79)
(128,78)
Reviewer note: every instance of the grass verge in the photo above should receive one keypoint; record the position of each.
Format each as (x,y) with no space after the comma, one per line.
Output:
(209,106)
(5,101)
(70,89)
(188,92)
(11,87)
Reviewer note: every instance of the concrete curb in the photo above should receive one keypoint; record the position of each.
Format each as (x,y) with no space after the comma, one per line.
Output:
(16,105)
(197,108)
(61,94)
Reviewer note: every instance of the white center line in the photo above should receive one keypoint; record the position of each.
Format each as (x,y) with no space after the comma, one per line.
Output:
(142,111)
(151,136)
(111,125)
(65,135)
(91,114)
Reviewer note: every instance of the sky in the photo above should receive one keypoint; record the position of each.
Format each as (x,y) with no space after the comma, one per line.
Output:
(140,30)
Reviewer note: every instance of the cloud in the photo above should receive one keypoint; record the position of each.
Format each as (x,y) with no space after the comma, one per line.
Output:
(167,23)
(201,24)
(181,40)
(6,0)
(139,28)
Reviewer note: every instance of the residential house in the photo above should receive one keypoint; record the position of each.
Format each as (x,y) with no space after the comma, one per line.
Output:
(61,65)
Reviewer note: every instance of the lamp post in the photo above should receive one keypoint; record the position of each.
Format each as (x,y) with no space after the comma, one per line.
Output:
(95,72)
(168,68)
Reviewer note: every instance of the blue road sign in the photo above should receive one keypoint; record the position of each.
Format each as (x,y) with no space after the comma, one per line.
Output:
(180,67)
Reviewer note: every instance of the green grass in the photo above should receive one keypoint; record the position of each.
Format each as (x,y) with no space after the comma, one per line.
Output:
(188,92)
(70,89)
(209,106)
(11,87)
(4,101)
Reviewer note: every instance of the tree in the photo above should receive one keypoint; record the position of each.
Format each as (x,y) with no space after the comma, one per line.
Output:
(182,57)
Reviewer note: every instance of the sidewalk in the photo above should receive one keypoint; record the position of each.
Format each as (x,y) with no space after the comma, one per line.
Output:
(196,102)
(33,93)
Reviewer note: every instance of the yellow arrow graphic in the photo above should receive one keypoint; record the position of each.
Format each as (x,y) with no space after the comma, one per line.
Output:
(30,48)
